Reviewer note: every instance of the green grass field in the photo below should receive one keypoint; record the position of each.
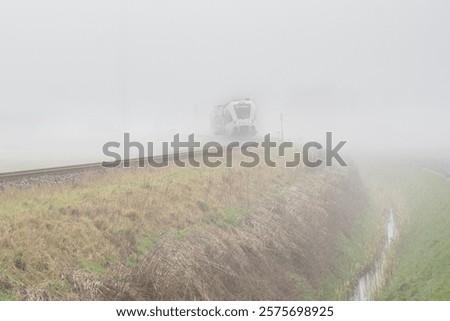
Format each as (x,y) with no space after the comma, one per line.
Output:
(421,270)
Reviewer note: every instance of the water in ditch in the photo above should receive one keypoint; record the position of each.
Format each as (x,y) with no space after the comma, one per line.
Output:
(372,280)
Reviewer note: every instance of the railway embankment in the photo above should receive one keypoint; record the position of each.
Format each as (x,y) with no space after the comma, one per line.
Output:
(185,233)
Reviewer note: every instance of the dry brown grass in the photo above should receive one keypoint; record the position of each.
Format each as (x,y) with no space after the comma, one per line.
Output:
(174,233)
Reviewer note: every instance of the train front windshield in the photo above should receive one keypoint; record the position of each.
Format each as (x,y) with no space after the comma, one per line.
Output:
(242,111)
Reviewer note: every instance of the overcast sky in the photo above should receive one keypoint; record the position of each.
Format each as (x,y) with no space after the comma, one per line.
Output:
(377,73)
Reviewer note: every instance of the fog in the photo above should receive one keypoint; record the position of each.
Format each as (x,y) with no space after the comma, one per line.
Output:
(74,75)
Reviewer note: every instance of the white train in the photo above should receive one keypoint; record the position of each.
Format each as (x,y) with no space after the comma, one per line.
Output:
(236,118)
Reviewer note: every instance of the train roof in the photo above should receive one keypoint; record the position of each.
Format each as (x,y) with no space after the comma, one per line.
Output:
(240,100)
(235,101)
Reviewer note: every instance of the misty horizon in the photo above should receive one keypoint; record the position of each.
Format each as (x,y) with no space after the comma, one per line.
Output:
(375,74)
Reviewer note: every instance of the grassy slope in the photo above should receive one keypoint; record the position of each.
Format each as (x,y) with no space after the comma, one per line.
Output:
(52,236)
(356,250)
(422,269)
(46,232)
(103,222)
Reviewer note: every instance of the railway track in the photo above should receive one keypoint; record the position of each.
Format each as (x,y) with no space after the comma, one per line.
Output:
(75,169)
(11,176)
